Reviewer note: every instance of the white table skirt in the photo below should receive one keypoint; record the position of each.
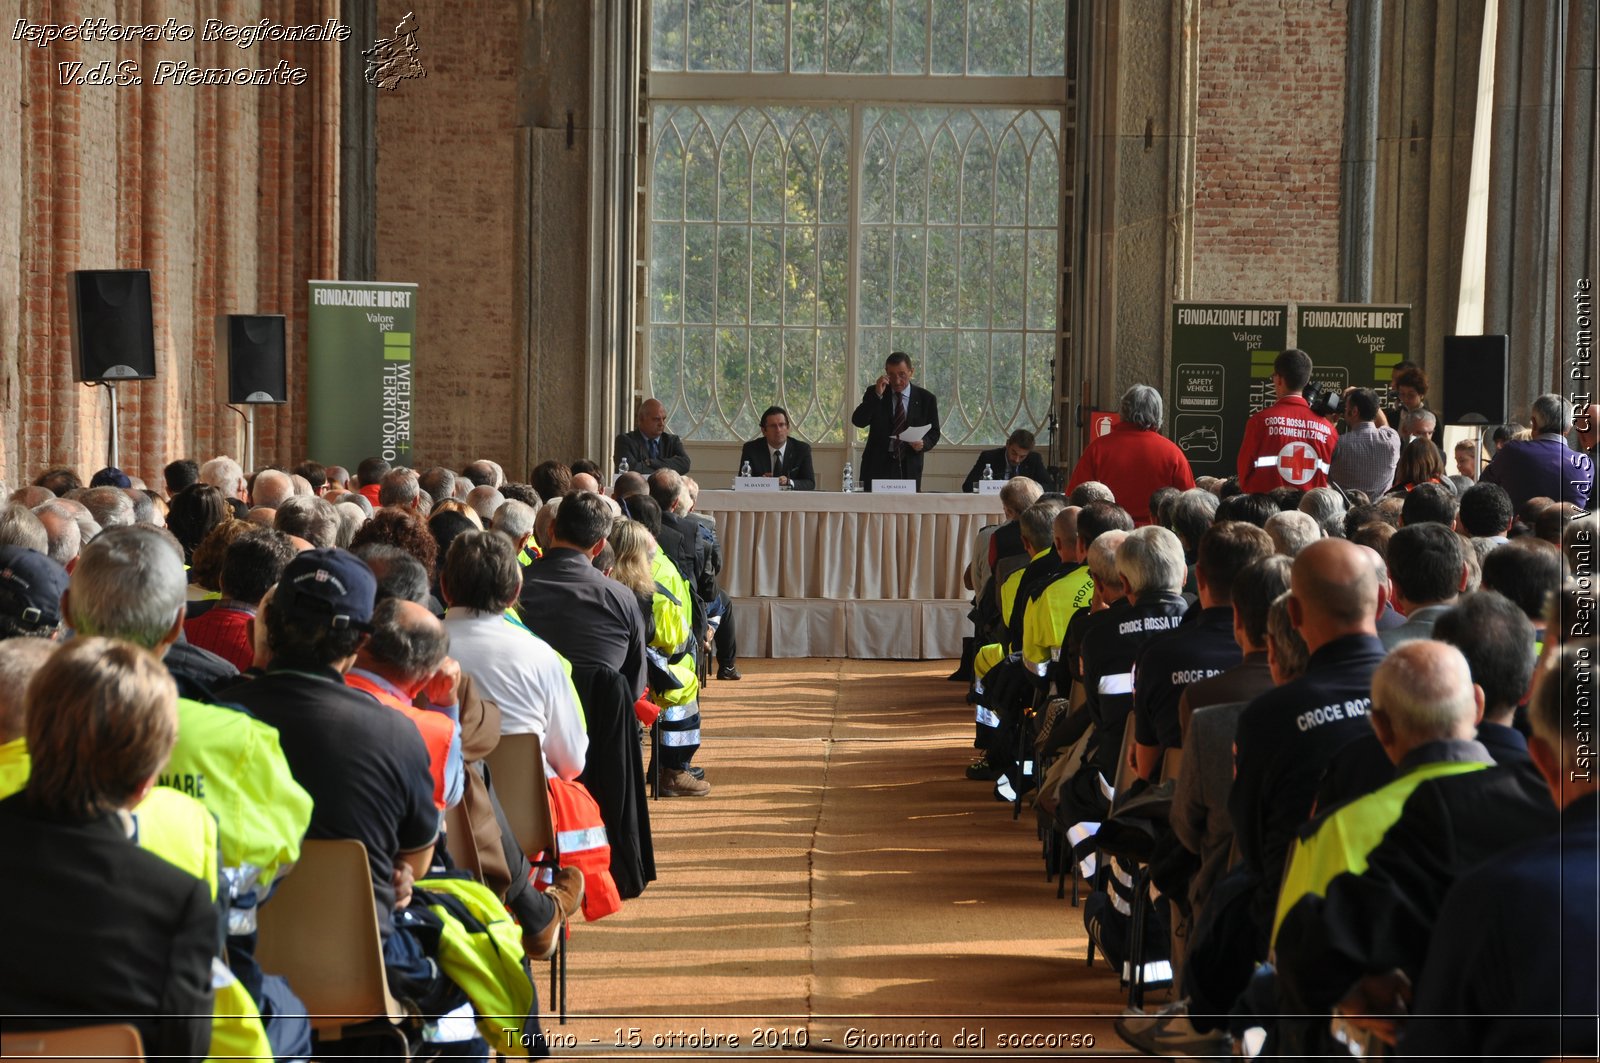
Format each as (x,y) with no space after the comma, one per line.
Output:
(824,544)
(825,574)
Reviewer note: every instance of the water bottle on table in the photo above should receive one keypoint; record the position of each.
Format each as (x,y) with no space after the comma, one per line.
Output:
(848,481)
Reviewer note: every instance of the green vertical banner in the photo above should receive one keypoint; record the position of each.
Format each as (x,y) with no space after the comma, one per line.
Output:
(1222,355)
(1353,344)
(359,345)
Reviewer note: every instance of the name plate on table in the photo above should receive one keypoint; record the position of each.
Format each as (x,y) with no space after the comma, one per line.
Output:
(894,487)
(755,483)
(990,487)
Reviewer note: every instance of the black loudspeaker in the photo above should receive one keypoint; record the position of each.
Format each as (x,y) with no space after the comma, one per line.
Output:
(256,351)
(1475,379)
(113,330)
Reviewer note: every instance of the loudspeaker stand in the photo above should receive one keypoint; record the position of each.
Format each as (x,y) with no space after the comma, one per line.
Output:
(250,436)
(111,436)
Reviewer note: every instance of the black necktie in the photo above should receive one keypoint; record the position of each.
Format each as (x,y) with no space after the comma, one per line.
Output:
(777,462)
(899,413)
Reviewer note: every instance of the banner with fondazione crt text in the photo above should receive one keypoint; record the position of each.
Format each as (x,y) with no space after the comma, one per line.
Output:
(360,338)
(1353,344)
(1222,355)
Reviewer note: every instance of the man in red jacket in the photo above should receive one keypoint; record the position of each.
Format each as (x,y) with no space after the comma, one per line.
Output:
(1286,445)
(1134,459)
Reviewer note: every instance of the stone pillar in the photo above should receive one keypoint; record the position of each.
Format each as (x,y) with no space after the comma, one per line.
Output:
(1425,117)
(1136,87)
(358,149)
(1359,167)
(555,239)
(1580,183)
(1525,174)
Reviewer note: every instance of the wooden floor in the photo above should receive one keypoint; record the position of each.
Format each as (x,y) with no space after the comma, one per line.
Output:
(842,888)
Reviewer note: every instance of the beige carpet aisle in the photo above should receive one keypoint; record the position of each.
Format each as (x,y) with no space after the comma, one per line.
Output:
(843,888)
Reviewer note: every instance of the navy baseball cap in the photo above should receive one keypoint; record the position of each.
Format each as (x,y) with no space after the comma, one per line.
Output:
(31,586)
(328,583)
(110,476)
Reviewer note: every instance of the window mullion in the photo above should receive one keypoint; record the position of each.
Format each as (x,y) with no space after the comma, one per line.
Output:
(852,348)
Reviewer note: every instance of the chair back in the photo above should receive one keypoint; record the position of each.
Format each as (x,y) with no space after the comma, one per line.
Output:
(320,931)
(460,842)
(1125,774)
(1171,761)
(1003,569)
(517,768)
(80,1043)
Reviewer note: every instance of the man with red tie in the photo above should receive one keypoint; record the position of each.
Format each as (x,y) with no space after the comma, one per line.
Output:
(888,408)
(1286,445)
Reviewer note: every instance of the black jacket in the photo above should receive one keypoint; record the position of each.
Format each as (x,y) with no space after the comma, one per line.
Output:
(1383,918)
(632,445)
(796,462)
(1032,467)
(883,457)
(1286,738)
(102,931)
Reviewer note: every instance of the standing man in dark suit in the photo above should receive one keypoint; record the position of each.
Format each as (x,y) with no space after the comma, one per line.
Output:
(1016,458)
(649,446)
(775,454)
(887,409)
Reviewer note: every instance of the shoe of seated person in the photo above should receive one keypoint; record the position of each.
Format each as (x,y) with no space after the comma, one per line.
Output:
(1169,1032)
(682,784)
(566,889)
(729,671)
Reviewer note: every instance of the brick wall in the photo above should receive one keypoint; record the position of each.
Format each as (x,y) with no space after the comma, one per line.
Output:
(1270,96)
(448,212)
(225,193)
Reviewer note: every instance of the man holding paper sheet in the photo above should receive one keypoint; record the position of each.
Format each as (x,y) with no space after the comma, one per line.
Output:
(902,422)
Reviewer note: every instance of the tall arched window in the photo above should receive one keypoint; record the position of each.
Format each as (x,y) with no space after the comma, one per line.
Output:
(830,180)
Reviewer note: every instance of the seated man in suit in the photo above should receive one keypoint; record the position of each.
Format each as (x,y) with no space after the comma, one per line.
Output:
(1016,458)
(775,454)
(650,446)
(887,409)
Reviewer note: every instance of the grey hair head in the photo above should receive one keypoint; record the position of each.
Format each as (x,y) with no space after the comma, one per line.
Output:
(1551,414)
(1151,559)
(20,527)
(311,518)
(1141,405)
(515,519)
(224,474)
(109,506)
(399,487)
(128,584)
(351,518)
(63,534)
(484,500)
(1322,503)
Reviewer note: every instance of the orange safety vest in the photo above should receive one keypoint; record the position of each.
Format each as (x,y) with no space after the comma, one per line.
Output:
(582,842)
(436,728)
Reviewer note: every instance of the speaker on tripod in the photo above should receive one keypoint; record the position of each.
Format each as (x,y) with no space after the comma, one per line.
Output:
(1475,379)
(256,352)
(113,328)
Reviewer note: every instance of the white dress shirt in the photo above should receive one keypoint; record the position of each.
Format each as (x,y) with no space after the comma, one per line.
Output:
(518,671)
